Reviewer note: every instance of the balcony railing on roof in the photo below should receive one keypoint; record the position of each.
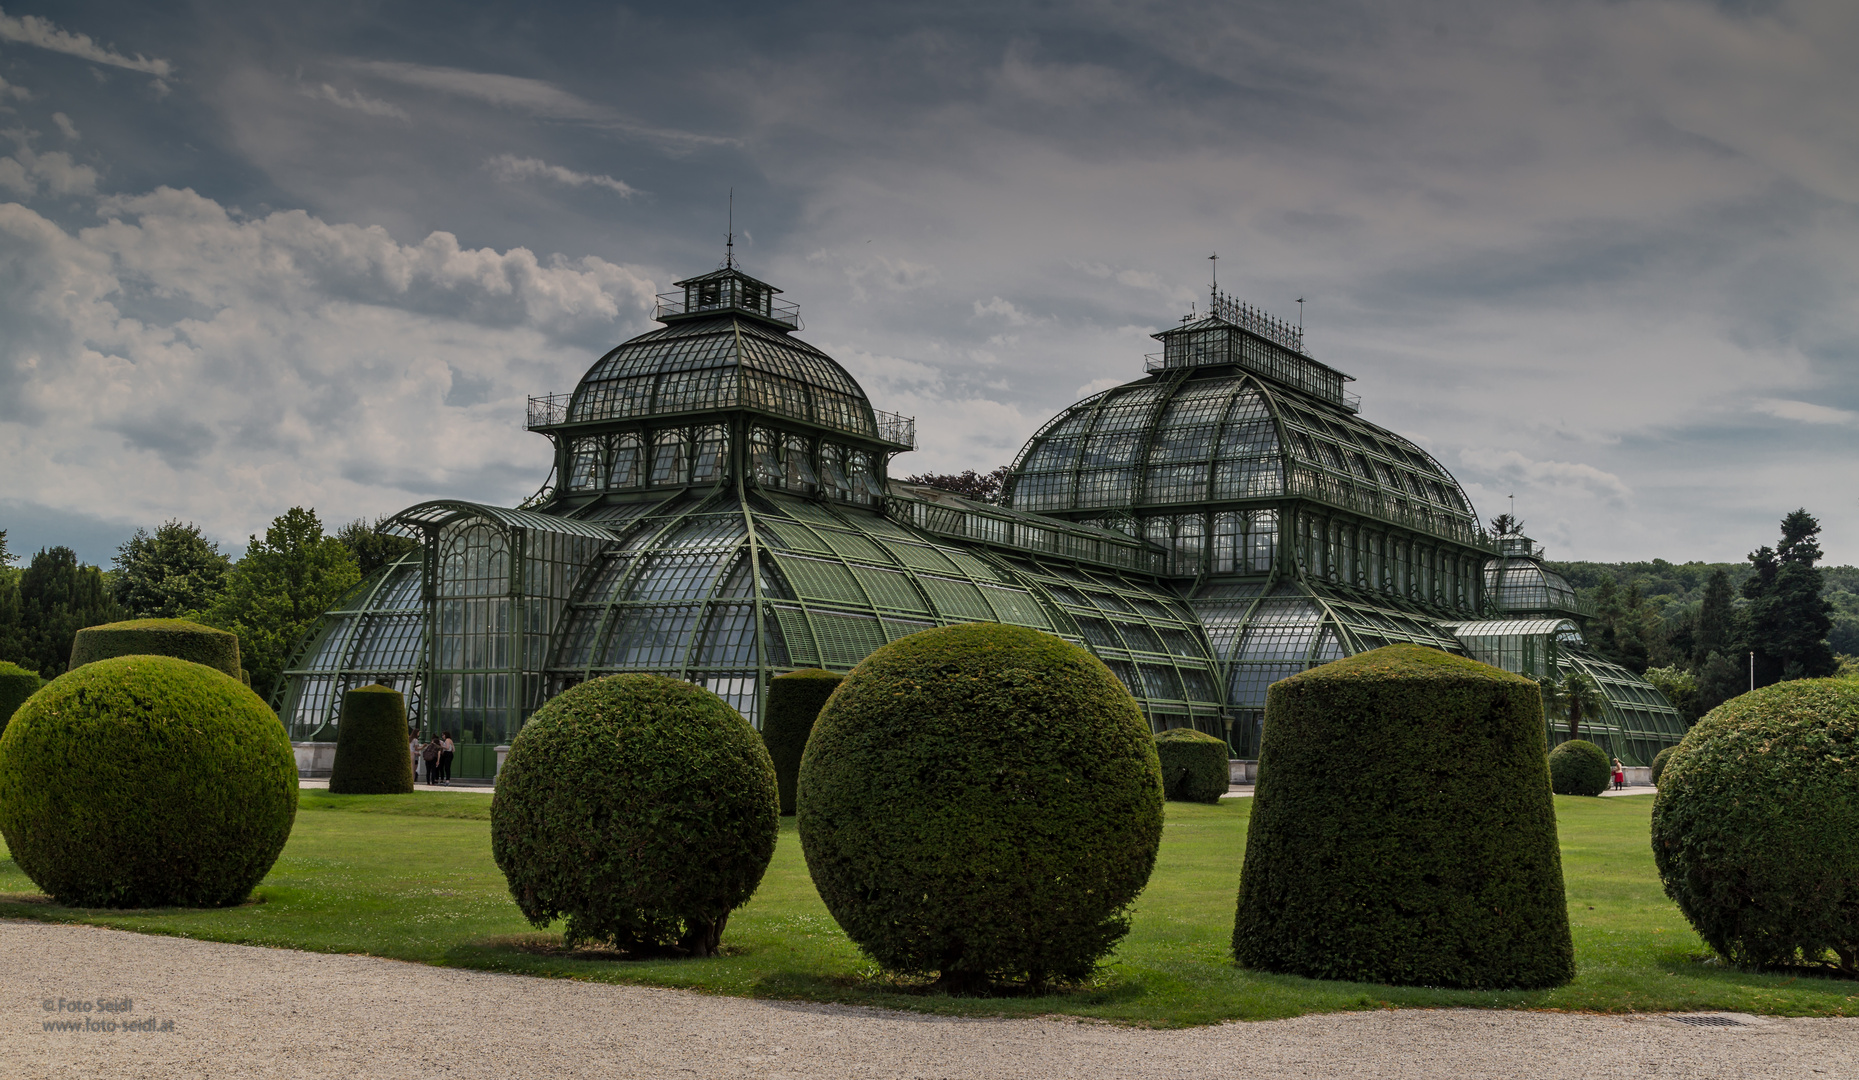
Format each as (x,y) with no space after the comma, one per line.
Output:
(1247,317)
(549,410)
(781,311)
(896,429)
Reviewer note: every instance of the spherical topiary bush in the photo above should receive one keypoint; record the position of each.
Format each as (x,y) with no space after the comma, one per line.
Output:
(1578,767)
(1194,767)
(1402,829)
(146,781)
(794,702)
(1659,761)
(372,757)
(640,808)
(982,802)
(16,685)
(181,638)
(1755,827)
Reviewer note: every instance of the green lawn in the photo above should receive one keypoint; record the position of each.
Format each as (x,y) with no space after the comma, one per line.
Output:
(411,877)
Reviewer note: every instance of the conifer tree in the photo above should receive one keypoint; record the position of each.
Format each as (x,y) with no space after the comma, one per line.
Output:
(1788,617)
(58,596)
(172,573)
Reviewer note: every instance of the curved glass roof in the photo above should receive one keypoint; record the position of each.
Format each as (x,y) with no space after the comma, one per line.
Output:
(726,593)
(721,362)
(375,634)
(1219,436)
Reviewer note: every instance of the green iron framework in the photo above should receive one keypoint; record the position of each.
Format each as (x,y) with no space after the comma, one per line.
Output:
(720,509)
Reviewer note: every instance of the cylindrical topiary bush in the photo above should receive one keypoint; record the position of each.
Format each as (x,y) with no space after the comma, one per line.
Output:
(372,756)
(1402,829)
(146,781)
(1755,828)
(641,809)
(983,803)
(1578,767)
(1194,767)
(794,702)
(1659,761)
(16,685)
(181,638)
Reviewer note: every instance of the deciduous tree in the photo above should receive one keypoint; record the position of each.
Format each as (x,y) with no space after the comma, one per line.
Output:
(285,582)
(371,547)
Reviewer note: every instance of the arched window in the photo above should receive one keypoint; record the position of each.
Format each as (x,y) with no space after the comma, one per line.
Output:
(764,458)
(710,455)
(584,464)
(794,457)
(669,458)
(628,454)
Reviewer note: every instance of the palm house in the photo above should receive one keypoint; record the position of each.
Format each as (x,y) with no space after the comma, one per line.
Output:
(721,510)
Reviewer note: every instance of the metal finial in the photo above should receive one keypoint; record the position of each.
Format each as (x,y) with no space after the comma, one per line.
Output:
(1215,259)
(729,242)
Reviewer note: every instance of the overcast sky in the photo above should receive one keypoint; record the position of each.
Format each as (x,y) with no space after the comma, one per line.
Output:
(1601,256)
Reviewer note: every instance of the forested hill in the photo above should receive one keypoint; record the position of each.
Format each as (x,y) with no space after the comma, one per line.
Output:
(1674,589)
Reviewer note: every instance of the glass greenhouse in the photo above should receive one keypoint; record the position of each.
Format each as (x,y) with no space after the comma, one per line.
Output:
(721,510)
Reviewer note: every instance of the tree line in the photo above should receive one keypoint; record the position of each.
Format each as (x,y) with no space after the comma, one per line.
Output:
(270,596)
(1691,628)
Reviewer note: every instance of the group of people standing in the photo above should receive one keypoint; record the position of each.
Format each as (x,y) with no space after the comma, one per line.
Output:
(435,755)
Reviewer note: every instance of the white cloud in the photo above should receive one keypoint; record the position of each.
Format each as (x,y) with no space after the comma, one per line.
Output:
(180,360)
(533,96)
(33,30)
(1004,309)
(356,101)
(27,169)
(1562,477)
(17,93)
(508,91)
(509,168)
(1802,411)
(66,126)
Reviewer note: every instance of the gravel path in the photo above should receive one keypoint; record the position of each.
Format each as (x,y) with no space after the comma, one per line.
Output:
(237,1011)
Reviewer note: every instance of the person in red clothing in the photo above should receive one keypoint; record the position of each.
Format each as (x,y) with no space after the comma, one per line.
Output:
(1620,776)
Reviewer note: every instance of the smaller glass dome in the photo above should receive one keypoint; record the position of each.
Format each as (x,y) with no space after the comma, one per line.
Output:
(1223,436)
(1518,582)
(722,354)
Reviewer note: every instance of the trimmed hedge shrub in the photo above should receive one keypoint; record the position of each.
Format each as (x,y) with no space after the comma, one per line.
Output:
(1194,767)
(1659,761)
(182,638)
(794,702)
(16,685)
(1755,828)
(1578,767)
(372,757)
(641,808)
(982,802)
(1402,829)
(146,781)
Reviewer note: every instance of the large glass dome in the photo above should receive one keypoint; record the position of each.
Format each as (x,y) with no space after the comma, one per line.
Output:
(1225,436)
(701,362)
